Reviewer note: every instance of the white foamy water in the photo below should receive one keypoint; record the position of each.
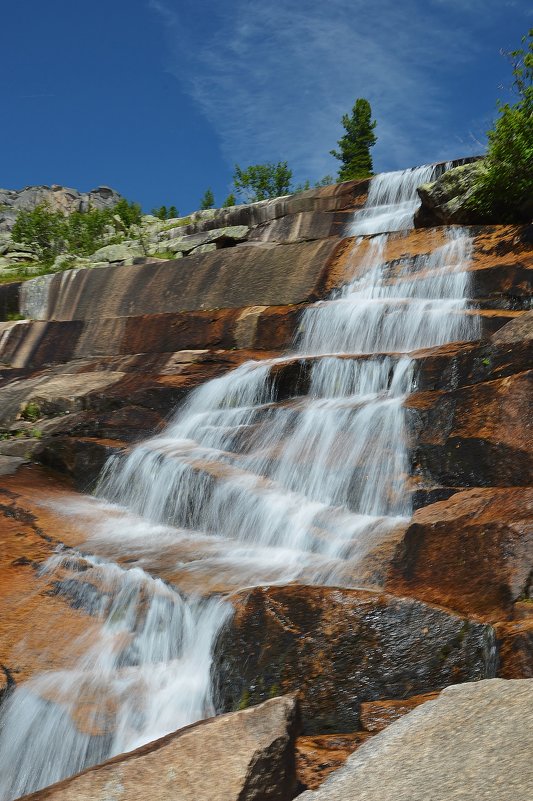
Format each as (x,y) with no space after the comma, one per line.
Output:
(243,487)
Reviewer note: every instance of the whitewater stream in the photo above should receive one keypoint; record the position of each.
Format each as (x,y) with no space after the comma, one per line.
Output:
(242,487)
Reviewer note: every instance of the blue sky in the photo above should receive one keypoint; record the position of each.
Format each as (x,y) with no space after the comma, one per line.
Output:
(160,98)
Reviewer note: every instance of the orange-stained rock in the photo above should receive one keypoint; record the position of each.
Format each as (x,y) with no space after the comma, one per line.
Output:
(319,755)
(515,648)
(31,607)
(472,553)
(480,435)
(338,647)
(377,715)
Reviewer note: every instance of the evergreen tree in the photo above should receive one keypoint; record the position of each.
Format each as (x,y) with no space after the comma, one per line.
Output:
(354,146)
(231,200)
(208,200)
(172,213)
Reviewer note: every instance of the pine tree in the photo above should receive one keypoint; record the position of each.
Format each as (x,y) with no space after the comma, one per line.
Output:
(172,212)
(354,146)
(208,200)
(231,200)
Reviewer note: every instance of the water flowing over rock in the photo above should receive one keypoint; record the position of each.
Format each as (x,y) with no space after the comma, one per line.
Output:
(245,756)
(301,467)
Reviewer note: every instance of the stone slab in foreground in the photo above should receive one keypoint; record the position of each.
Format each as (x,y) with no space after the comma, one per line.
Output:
(474,742)
(246,755)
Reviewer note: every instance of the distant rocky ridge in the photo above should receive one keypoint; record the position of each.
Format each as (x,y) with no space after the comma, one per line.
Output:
(58,198)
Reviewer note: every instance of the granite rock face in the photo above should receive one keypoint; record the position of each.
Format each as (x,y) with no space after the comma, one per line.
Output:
(473,742)
(246,756)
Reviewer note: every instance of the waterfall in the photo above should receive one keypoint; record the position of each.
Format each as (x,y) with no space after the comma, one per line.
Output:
(243,487)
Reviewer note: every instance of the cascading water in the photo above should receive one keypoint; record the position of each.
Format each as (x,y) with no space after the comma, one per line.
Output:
(243,488)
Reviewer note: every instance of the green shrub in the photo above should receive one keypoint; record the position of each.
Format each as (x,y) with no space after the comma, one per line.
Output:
(31,412)
(208,200)
(231,200)
(504,189)
(43,229)
(52,233)
(130,213)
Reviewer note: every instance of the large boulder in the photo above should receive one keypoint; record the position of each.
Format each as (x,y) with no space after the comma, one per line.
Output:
(246,756)
(338,647)
(472,552)
(445,201)
(474,742)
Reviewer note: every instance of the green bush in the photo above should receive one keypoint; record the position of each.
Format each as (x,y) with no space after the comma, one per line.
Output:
(504,188)
(31,412)
(165,214)
(51,233)
(43,229)
(130,213)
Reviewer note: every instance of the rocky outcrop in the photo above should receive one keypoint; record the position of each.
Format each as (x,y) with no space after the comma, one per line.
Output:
(446,200)
(244,756)
(58,198)
(472,742)
(337,648)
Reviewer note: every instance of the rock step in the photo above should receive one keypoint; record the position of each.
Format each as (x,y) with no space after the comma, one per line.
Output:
(33,344)
(485,727)
(253,749)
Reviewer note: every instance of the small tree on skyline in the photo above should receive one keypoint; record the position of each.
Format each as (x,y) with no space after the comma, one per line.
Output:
(208,200)
(354,146)
(231,200)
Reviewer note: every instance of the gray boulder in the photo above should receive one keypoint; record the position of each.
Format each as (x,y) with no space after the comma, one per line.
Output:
(121,254)
(473,742)
(245,756)
(218,237)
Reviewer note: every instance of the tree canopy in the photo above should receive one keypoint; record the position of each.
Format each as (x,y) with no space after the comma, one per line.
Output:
(504,187)
(262,181)
(354,146)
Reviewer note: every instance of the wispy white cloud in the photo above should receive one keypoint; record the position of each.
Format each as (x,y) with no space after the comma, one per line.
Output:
(274,78)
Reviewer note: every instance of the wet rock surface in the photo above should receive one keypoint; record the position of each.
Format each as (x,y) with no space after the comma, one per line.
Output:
(472,552)
(245,756)
(338,648)
(473,742)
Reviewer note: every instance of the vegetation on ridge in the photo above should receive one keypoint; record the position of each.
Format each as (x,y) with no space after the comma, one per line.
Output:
(52,233)
(503,191)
